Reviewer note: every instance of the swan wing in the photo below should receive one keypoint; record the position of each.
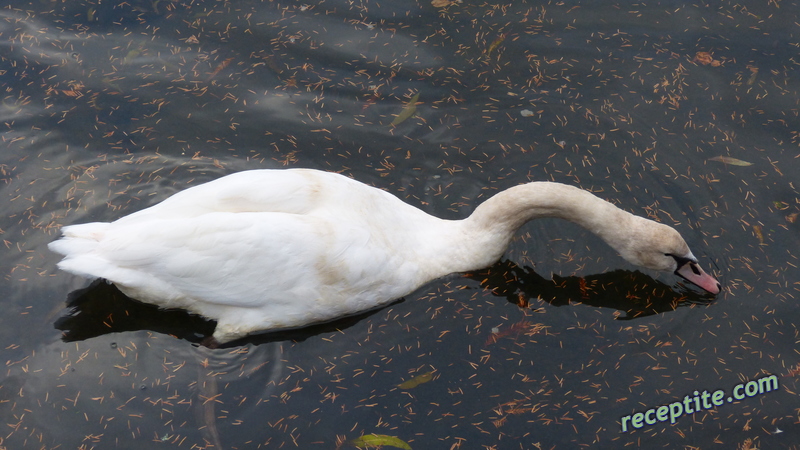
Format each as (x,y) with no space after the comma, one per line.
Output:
(283,269)
(294,191)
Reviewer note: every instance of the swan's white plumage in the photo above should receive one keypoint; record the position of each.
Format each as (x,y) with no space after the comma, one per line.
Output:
(271,249)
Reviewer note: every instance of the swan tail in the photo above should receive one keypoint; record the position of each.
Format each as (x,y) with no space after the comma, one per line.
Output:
(79,244)
(83,256)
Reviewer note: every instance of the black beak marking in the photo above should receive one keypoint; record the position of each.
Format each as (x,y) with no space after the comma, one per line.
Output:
(682,261)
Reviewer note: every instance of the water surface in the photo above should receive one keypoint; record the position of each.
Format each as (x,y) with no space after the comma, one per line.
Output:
(108,107)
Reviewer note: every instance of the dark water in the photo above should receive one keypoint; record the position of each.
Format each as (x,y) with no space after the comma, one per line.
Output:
(108,107)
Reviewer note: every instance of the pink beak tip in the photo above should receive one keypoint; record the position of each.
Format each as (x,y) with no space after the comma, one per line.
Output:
(695,275)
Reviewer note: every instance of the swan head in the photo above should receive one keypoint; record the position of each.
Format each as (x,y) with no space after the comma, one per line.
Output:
(660,247)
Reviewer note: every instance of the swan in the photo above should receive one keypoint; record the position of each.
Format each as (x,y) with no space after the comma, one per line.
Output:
(272,249)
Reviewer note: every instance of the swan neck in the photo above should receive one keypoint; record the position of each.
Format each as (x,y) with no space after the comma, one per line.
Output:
(498,219)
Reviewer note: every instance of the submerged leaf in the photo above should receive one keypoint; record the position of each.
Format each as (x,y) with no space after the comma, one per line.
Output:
(759,234)
(496,43)
(408,111)
(132,54)
(379,440)
(416,381)
(731,161)
(753,75)
(780,205)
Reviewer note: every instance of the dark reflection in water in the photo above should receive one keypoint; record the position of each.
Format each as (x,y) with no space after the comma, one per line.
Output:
(101,309)
(632,293)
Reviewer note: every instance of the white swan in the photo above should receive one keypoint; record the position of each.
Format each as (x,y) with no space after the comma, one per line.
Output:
(271,249)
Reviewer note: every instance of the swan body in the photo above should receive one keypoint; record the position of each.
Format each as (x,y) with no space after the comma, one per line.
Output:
(270,249)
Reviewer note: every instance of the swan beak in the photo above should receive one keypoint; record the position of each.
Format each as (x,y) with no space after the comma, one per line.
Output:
(692,273)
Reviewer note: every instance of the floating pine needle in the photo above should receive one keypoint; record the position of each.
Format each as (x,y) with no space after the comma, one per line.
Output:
(584,288)
(379,440)
(416,381)
(731,161)
(408,111)
(794,371)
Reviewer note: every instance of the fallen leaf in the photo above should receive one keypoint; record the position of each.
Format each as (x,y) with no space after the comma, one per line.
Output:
(416,381)
(731,161)
(705,59)
(753,75)
(132,54)
(496,43)
(408,111)
(759,234)
(780,205)
(219,69)
(379,440)
(515,330)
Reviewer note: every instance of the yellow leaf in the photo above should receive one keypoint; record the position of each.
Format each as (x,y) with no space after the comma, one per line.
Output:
(408,111)
(416,381)
(496,43)
(731,161)
(132,54)
(759,234)
(379,440)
